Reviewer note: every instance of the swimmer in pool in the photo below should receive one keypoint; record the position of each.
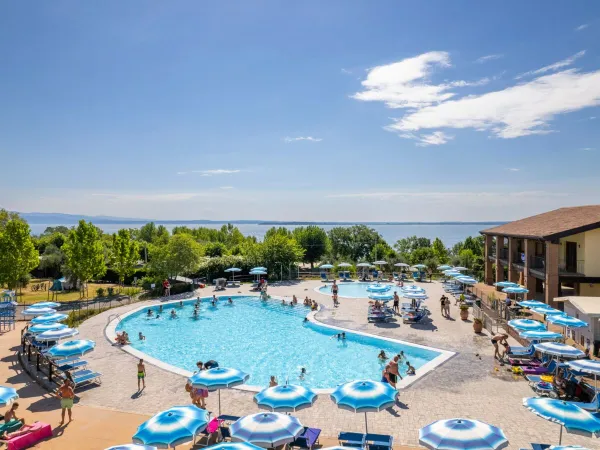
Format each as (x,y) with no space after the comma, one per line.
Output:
(195,315)
(283,301)
(181,303)
(160,309)
(305,320)
(343,336)
(142,337)
(410,369)
(382,356)
(230,301)
(173,314)
(157,316)
(302,373)
(150,313)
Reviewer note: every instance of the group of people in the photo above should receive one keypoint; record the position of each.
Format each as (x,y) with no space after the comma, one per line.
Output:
(391,370)
(199,395)
(445,306)
(123,338)
(13,425)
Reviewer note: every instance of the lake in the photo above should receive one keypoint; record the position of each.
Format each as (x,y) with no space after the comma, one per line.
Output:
(450,234)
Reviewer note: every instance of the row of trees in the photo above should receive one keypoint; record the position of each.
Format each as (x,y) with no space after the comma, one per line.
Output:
(84,252)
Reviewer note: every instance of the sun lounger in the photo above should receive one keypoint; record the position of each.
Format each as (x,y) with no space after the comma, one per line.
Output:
(535,446)
(86,377)
(524,362)
(347,276)
(72,365)
(225,419)
(348,439)
(38,432)
(324,276)
(592,406)
(379,441)
(414,316)
(540,369)
(379,317)
(544,389)
(307,439)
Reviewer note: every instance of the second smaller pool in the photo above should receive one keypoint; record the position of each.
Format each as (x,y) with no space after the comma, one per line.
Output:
(357,289)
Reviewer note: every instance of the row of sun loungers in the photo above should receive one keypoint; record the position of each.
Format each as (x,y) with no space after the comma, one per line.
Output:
(77,368)
(370,441)
(383,314)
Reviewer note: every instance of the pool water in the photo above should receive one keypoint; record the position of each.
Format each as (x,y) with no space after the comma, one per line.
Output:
(356,289)
(263,339)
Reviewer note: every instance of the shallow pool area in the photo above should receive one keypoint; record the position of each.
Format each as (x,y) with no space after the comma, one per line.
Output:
(357,289)
(267,338)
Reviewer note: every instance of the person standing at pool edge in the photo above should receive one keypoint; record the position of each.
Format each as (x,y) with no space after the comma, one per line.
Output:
(66,394)
(141,374)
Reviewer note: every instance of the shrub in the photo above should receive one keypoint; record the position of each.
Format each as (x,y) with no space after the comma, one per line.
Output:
(111,291)
(77,316)
(100,292)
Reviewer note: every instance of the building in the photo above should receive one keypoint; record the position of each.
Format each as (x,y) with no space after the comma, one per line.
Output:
(588,310)
(553,254)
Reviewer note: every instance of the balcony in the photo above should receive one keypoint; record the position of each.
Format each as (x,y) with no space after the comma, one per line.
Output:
(503,254)
(577,268)
(518,258)
(537,263)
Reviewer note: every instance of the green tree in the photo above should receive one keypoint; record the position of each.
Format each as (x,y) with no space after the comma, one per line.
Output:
(354,243)
(18,255)
(215,249)
(278,252)
(84,253)
(431,264)
(314,242)
(147,233)
(183,255)
(51,260)
(124,254)
(440,251)
(467,258)
(6,216)
(420,255)
(408,245)
(283,231)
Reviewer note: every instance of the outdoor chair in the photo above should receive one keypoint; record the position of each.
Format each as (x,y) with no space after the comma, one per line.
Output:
(350,439)
(307,439)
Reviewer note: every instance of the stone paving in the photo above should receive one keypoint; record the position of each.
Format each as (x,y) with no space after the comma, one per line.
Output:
(469,385)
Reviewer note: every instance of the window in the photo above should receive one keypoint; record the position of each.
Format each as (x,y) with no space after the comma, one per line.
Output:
(581,340)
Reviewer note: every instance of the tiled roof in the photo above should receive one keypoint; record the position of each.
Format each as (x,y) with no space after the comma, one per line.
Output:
(553,224)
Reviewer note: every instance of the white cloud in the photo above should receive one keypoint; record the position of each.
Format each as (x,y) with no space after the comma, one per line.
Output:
(487,58)
(158,197)
(406,84)
(593,118)
(226,187)
(516,111)
(301,138)
(346,71)
(513,169)
(582,27)
(587,149)
(212,172)
(435,138)
(552,67)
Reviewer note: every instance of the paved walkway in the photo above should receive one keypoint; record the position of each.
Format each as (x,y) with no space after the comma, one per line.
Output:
(469,385)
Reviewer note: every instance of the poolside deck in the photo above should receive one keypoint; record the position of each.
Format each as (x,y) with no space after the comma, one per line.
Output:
(469,385)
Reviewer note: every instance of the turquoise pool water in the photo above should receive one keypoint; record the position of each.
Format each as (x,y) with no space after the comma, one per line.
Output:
(355,289)
(263,339)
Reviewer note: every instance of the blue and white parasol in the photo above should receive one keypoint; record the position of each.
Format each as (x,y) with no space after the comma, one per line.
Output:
(175,426)
(45,305)
(462,434)
(132,447)
(540,335)
(286,398)
(505,284)
(38,311)
(56,335)
(7,395)
(526,324)
(56,317)
(233,446)
(67,349)
(559,349)
(567,321)
(547,311)
(266,430)
(41,327)
(217,379)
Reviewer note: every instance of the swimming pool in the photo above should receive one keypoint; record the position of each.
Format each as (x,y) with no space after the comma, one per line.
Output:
(267,338)
(356,289)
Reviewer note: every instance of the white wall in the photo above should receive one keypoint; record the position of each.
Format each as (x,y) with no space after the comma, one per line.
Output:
(592,331)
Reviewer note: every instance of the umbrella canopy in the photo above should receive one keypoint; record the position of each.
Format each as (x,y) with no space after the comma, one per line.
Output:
(233,446)
(420,266)
(326,266)
(540,335)
(287,398)
(567,447)
(515,290)
(466,280)
(444,267)
(570,416)
(567,321)
(460,268)
(532,304)
(71,348)
(38,311)
(266,429)
(363,264)
(415,295)
(175,426)
(459,434)
(258,272)
(233,269)
(380,262)
(45,305)
(56,317)
(586,365)
(41,327)
(7,396)
(131,447)
(56,335)
(400,265)
(559,349)
(260,269)
(344,264)
(218,378)
(547,310)
(505,284)
(526,324)
(452,273)
(413,288)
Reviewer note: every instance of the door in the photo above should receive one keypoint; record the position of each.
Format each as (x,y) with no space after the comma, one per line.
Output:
(571,257)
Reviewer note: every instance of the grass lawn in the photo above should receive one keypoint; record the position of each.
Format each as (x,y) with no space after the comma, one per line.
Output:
(29,296)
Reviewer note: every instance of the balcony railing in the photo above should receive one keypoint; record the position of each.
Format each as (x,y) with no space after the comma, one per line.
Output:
(578,268)
(537,263)
(518,258)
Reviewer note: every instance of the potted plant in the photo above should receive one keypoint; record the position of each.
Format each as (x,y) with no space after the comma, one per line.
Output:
(477,325)
(464,312)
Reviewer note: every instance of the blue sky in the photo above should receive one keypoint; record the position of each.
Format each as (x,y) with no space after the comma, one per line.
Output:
(337,110)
